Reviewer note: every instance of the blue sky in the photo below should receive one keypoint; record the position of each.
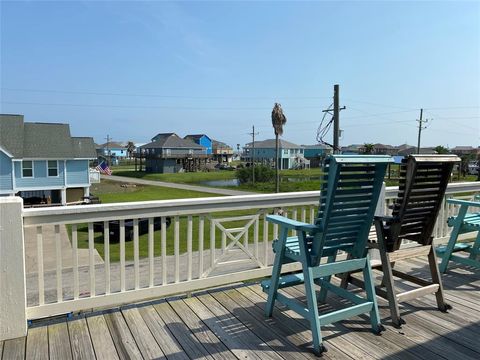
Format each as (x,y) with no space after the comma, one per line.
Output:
(134,69)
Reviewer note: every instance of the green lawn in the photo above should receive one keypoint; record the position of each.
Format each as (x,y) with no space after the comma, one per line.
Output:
(111,192)
(291,180)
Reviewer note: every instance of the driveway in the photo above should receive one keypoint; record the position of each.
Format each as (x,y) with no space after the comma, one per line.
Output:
(205,189)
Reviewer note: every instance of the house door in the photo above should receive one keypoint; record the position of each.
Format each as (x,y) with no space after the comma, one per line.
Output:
(285,164)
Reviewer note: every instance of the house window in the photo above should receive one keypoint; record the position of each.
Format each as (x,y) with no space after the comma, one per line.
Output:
(27,168)
(52,166)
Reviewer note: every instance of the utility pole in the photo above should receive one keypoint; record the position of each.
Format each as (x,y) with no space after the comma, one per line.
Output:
(420,128)
(336,118)
(253,133)
(108,149)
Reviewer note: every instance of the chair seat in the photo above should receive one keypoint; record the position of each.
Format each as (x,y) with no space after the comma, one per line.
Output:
(292,247)
(458,247)
(470,221)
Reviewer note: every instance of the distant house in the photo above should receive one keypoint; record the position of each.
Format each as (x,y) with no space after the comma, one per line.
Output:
(221,152)
(316,153)
(353,149)
(405,149)
(464,150)
(201,139)
(291,155)
(42,162)
(169,153)
(112,150)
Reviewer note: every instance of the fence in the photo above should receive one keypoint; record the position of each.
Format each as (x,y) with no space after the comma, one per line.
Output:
(146,249)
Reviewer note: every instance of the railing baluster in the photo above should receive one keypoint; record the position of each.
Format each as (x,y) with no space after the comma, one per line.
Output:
(201,229)
(91,259)
(212,243)
(76,291)
(41,287)
(122,255)
(255,238)
(176,248)
(265,238)
(58,255)
(224,242)
(304,214)
(163,234)
(151,267)
(312,214)
(106,252)
(189,247)
(136,259)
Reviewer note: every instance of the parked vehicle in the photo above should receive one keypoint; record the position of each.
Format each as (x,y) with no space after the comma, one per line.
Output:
(114,227)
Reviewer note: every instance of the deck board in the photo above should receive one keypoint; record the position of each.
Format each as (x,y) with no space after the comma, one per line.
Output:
(59,342)
(101,340)
(37,343)
(229,323)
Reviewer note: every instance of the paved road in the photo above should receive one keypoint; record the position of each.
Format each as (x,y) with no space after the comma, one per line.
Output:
(206,189)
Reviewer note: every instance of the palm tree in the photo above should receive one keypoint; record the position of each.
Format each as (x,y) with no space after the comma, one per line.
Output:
(130,148)
(278,120)
(368,148)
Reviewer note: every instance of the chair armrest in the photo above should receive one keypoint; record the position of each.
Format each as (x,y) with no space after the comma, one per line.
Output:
(383,218)
(293,224)
(463,202)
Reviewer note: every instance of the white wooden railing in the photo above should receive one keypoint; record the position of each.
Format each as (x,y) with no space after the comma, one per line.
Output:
(210,242)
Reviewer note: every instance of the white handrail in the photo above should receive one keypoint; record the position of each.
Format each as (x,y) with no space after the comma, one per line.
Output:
(198,258)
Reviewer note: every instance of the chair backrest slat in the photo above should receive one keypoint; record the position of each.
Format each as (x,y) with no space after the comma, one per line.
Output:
(349,194)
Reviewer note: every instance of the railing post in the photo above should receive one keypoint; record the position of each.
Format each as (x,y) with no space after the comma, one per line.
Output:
(13,320)
(381,209)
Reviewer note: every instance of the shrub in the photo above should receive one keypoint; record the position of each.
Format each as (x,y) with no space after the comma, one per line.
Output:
(263,174)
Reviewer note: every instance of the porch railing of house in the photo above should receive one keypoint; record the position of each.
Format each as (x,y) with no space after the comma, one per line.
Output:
(210,242)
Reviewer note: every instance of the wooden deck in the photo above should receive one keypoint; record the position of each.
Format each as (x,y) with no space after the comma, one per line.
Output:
(228,323)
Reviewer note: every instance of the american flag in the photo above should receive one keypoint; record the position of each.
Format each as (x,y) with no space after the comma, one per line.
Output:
(103,168)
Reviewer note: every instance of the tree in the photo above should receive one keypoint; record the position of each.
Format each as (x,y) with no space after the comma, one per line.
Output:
(278,120)
(130,148)
(368,148)
(440,149)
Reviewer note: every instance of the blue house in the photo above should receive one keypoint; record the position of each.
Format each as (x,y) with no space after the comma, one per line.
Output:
(42,162)
(201,139)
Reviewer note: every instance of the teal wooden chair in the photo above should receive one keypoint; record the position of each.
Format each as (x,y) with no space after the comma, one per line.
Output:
(464,222)
(348,198)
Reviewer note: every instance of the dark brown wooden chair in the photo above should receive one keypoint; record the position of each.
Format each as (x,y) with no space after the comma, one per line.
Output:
(423,181)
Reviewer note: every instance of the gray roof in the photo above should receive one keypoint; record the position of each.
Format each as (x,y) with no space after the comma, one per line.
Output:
(467,148)
(270,143)
(317,146)
(112,144)
(196,136)
(84,148)
(219,144)
(171,141)
(42,140)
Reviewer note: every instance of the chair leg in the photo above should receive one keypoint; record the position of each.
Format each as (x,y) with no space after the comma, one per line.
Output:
(276,271)
(475,250)
(390,287)
(322,296)
(371,296)
(453,239)
(312,304)
(437,279)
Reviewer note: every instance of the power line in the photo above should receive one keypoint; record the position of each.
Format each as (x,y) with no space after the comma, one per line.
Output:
(158,95)
(150,106)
